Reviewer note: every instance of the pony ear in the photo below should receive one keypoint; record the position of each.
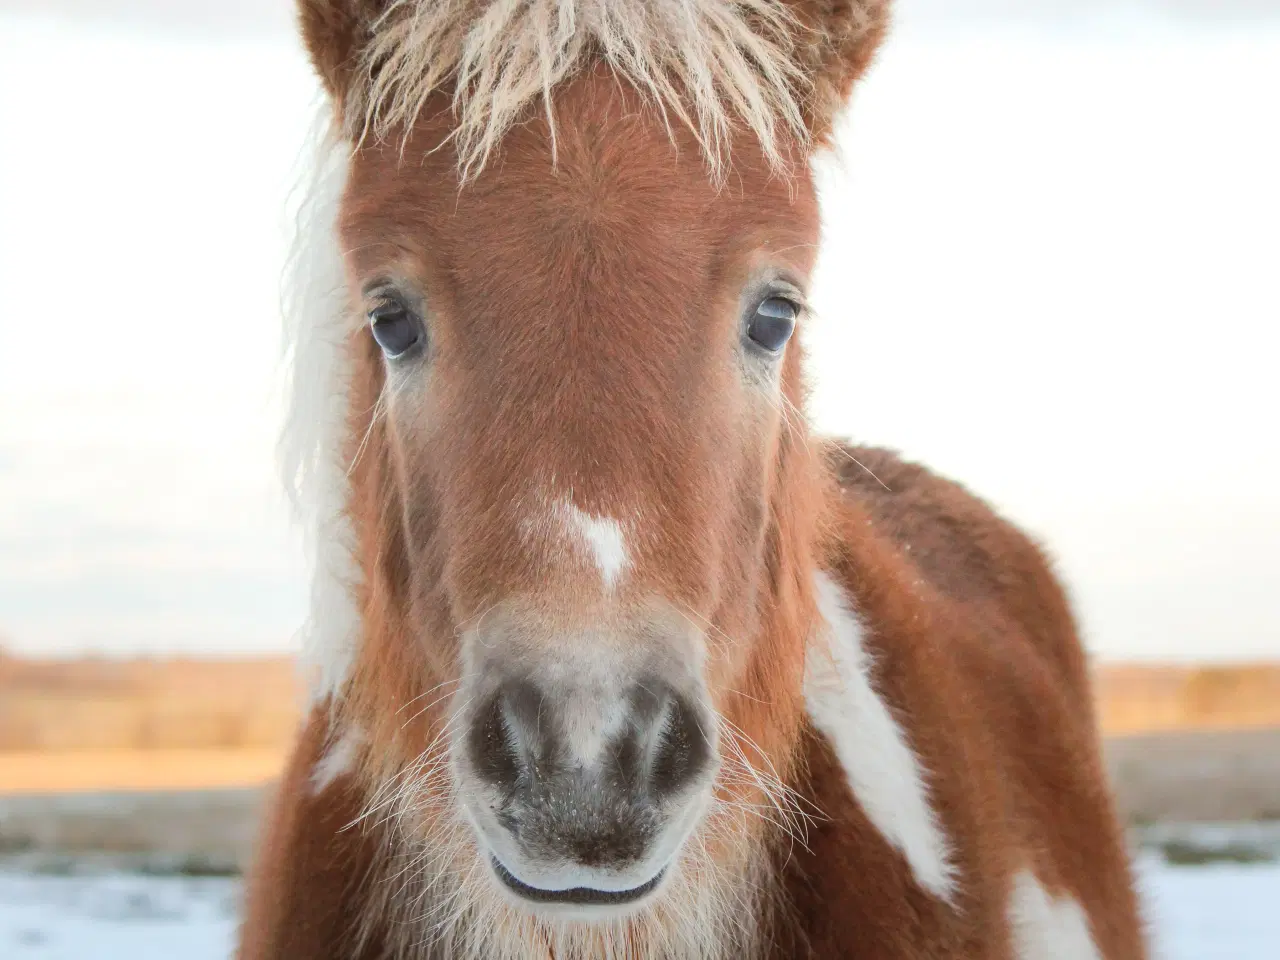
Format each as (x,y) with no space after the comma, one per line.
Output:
(838,40)
(335,33)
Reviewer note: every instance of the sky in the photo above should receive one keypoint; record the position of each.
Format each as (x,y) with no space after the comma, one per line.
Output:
(1050,271)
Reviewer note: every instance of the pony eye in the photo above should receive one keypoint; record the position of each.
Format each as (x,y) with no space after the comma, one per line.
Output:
(773,323)
(395,328)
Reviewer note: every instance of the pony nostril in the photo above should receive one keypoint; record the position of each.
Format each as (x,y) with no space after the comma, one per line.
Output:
(680,749)
(513,736)
(494,749)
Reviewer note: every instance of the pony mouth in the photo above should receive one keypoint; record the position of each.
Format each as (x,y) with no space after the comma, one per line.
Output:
(575,896)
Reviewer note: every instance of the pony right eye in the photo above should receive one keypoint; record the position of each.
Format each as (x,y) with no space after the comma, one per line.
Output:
(773,323)
(396,329)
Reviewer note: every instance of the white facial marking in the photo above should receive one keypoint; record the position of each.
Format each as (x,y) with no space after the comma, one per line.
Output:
(602,536)
(338,760)
(1045,928)
(883,772)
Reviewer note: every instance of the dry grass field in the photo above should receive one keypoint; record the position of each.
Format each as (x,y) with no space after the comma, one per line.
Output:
(144,725)
(182,724)
(1153,699)
(50,705)
(64,771)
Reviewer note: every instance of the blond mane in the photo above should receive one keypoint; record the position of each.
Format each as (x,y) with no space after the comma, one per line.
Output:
(318,322)
(710,64)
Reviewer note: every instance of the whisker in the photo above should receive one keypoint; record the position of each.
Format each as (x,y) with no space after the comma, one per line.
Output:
(840,449)
(419,713)
(379,410)
(409,703)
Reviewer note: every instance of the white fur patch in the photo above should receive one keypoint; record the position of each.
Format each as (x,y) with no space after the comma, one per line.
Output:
(602,537)
(317,315)
(1045,928)
(883,772)
(338,760)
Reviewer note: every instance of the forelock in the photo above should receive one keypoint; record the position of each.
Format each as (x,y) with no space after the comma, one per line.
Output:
(711,65)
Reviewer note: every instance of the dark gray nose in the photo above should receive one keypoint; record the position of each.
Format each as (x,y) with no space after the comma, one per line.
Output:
(598,801)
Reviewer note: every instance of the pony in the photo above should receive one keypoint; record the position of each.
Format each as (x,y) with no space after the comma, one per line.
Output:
(611,656)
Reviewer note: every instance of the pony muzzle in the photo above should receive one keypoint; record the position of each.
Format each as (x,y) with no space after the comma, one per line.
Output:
(582,794)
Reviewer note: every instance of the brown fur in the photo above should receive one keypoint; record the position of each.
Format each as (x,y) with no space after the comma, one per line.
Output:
(580,313)
(303,899)
(1035,798)
(334,32)
(972,638)
(840,42)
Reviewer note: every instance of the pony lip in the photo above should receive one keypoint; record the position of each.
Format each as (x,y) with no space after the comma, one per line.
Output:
(575,896)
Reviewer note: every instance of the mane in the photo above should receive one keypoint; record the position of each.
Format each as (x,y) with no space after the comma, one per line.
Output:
(317,328)
(710,64)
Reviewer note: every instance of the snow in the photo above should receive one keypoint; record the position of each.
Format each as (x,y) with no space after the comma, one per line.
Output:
(1211,912)
(116,916)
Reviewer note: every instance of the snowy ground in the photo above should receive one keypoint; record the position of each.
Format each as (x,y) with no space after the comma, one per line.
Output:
(115,916)
(1212,912)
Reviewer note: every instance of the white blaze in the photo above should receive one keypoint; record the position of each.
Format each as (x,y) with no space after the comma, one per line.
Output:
(602,538)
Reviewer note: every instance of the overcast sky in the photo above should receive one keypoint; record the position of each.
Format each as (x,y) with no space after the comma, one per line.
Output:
(1051,261)
(229,17)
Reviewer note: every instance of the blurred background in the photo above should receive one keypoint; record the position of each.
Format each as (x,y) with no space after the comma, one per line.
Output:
(1052,245)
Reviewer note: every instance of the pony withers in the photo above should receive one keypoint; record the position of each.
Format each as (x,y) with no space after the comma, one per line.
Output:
(612,657)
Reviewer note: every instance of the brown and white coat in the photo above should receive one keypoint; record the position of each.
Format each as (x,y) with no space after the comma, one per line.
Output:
(613,657)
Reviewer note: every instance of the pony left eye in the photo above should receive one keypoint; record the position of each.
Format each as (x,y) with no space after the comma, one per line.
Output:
(395,328)
(773,323)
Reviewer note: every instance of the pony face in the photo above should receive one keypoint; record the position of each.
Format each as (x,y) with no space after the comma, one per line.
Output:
(574,379)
